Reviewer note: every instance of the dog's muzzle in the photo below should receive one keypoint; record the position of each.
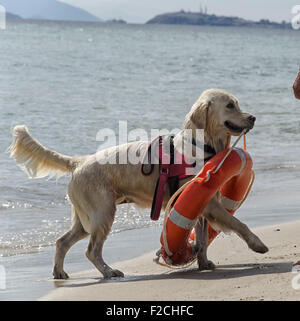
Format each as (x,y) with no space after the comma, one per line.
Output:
(249,124)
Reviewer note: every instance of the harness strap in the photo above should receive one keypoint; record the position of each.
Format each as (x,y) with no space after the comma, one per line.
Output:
(173,179)
(160,185)
(169,172)
(158,196)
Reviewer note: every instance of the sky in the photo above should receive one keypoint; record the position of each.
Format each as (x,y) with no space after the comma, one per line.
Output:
(139,11)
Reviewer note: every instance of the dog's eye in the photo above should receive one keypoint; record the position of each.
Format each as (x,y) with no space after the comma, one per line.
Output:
(230,106)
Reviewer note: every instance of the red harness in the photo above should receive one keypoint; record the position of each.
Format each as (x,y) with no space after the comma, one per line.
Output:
(172,167)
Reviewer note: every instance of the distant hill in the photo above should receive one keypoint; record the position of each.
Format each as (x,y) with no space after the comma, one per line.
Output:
(12,16)
(47,9)
(203,19)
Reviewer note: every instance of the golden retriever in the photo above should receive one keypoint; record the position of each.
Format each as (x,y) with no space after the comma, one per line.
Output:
(97,187)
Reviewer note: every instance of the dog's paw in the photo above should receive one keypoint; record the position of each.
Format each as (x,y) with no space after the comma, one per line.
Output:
(261,249)
(207,265)
(257,245)
(60,275)
(113,274)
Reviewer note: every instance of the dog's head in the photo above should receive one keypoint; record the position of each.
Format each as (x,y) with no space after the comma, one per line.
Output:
(218,113)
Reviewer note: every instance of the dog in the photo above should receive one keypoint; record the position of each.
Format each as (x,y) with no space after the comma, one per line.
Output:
(97,186)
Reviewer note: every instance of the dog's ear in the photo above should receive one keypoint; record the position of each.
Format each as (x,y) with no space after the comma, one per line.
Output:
(199,114)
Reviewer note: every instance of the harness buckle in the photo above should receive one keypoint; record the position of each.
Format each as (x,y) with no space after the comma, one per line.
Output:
(165,170)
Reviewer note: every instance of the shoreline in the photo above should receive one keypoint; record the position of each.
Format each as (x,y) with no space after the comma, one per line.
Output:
(240,274)
(29,275)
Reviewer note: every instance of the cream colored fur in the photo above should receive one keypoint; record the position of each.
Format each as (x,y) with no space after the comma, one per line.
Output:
(96,188)
(37,160)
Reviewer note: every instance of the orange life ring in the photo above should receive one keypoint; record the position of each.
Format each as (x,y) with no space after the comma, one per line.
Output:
(231,174)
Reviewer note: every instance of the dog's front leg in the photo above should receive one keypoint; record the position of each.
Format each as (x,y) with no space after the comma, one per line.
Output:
(201,232)
(217,215)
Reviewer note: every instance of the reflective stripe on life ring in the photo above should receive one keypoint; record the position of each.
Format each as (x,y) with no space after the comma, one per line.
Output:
(229,204)
(243,158)
(181,220)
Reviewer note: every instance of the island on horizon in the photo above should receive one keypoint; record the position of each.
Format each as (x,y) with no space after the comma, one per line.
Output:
(204,19)
(12,16)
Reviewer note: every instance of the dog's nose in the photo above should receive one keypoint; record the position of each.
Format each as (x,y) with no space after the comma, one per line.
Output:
(252,119)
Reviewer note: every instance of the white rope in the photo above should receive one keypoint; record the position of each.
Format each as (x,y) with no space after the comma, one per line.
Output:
(229,151)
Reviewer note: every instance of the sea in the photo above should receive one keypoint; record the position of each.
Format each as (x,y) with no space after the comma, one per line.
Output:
(67,80)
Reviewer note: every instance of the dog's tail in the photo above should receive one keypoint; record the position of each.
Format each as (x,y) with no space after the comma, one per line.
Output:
(36,160)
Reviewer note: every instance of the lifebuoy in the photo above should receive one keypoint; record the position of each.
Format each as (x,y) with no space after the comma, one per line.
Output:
(230,172)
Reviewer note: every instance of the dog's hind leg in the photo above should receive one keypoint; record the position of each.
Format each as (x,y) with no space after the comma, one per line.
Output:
(201,244)
(94,254)
(64,243)
(102,221)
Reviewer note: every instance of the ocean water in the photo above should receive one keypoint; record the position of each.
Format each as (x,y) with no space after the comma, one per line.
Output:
(66,81)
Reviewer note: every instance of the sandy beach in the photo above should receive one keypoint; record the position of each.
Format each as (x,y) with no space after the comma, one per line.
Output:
(240,274)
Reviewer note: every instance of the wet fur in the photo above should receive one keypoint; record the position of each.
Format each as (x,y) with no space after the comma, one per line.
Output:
(97,188)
